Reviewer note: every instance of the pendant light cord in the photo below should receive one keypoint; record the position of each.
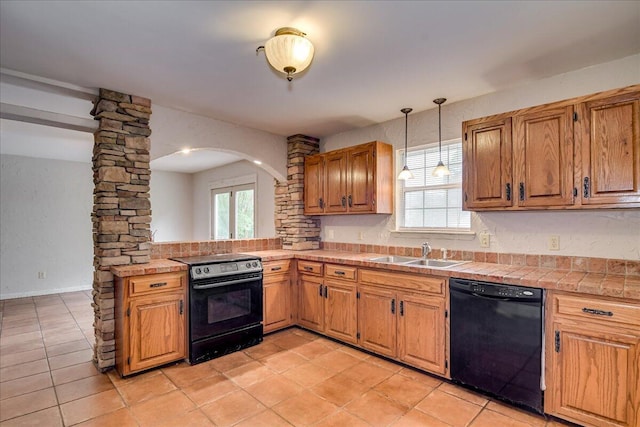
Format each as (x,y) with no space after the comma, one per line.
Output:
(440,130)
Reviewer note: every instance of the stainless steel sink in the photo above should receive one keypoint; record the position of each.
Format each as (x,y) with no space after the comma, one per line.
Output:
(435,263)
(393,259)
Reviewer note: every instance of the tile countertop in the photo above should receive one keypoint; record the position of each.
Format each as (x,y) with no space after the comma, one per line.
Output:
(153,267)
(611,285)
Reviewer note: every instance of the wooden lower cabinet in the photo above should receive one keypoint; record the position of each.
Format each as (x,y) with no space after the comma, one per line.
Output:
(310,302)
(407,325)
(151,321)
(593,361)
(377,320)
(276,299)
(421,332)
(328,305)
(340,311)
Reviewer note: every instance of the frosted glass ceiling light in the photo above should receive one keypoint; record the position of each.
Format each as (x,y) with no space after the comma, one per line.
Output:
(288,52)
(440,169)
(405,173)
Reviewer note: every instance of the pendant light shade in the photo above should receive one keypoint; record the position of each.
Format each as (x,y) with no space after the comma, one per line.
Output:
(405,173)
(288,52)
(440,170)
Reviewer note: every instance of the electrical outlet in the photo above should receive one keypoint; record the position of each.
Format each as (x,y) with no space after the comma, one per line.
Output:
(554,243)
(360,235)
(42,274)
(331,234)
(484,239)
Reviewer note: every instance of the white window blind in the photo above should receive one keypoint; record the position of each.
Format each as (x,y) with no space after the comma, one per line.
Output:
(429,202)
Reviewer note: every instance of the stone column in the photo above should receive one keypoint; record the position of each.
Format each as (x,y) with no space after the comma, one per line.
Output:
(298,231)
(121,207)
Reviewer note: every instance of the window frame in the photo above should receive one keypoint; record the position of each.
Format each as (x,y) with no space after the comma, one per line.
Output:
(248,182)
(400,194)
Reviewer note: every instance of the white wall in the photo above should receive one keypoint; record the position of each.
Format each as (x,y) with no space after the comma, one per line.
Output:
(171,206)
(265,201)
(174,130)
(45,226)
(606,234)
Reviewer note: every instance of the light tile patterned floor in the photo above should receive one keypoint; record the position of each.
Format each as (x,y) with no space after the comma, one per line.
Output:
(293,378)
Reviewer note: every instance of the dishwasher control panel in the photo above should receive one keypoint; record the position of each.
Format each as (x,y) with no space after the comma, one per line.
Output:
(496,290)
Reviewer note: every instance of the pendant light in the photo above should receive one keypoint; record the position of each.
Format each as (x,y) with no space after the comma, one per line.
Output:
(405,173)
(440,169)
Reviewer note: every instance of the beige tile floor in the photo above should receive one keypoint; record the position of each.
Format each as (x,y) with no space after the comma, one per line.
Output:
(293,378)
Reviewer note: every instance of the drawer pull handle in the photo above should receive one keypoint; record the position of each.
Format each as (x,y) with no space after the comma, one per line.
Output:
(339,273)
(276,268)
(307,268)
(158,285)
(597,312)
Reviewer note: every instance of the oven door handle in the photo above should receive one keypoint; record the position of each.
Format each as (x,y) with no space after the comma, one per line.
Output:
(227,283)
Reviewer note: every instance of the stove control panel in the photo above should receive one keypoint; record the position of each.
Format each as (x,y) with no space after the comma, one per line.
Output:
(229,268)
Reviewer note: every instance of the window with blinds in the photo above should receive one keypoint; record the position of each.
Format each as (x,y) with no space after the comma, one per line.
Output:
(429,202)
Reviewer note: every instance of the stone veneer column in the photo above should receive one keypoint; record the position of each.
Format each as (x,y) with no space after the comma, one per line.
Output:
(121,207)
(298,231)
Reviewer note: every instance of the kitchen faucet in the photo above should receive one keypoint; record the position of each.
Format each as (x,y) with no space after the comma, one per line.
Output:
(426,249)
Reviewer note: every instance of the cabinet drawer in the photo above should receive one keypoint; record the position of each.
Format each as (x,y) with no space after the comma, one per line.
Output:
(276,267)
(403,281)
(597,309)
(309,267)
(156,283)
(339,271)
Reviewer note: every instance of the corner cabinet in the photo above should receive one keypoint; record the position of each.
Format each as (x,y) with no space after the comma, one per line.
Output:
(276,295)
(593,360)
(151,321)
(353,180)
(574,154)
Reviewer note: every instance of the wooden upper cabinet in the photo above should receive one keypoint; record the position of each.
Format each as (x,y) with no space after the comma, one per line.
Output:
(336,182)
(487,173)
(357,179)
(543,157)
(609,144)
(362,168)
(578,153)
(314,184)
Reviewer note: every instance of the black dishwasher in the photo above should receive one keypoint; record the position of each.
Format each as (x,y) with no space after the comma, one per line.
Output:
(497,340)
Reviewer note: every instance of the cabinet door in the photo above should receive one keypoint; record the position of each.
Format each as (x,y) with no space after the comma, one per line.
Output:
(487,174)
(310,313)
(421,332)
(314,185)
(336,181)
(377,320)
(277,302)
(156,330)
(360,179)
(594,376)
(609,140)
(543,157)
(340,311)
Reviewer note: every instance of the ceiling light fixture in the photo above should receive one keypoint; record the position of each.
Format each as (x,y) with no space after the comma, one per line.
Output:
(288,52)
(405,173)
(186,150)
(440,169)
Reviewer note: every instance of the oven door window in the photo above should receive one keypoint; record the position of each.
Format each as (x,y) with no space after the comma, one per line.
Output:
(229,305)
(222,309)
